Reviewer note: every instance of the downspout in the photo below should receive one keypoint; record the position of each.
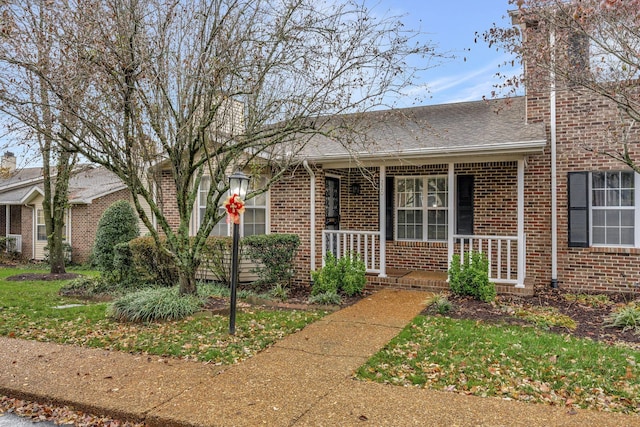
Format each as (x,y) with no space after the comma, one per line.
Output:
(312,215)
(554,183)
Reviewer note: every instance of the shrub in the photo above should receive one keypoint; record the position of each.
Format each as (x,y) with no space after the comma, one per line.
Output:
(154,304)
(344,276)
(152,264)
(327,279)
(87,287)
(118,224)
(471,277)
(626,317)
(353,275)
(274,254)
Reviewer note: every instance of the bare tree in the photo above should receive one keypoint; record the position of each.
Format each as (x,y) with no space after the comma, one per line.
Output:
(180,89)
(30,55)
(591,46)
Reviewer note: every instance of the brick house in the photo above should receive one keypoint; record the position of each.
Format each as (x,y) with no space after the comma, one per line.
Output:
(91,191)
(424,183)
(508,177)
(427,182)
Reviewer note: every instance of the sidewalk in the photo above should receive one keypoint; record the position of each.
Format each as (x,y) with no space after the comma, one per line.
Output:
(304,380)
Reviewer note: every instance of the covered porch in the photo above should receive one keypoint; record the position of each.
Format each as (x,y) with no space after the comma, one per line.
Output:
(407,222)
(11,227)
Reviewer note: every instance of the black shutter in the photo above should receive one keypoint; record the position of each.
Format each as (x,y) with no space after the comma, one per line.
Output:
(578,186)
(390,207)
(464,205)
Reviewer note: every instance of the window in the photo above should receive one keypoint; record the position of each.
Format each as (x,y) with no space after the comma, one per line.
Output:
(417,220)
(253,221)
(41,228)
(602,209)
(612,208)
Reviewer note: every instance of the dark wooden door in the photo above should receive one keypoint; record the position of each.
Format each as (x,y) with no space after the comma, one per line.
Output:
(332,204)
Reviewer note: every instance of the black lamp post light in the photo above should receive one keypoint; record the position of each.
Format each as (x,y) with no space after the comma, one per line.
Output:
(238,187)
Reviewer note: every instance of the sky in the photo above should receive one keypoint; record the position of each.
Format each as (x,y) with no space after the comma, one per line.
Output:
(452,25)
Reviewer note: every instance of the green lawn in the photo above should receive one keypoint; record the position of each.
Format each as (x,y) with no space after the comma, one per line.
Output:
(512,362)
(27,310)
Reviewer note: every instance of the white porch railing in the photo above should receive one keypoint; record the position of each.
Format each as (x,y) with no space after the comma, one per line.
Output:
(344,242)
(506,257)
(14,243)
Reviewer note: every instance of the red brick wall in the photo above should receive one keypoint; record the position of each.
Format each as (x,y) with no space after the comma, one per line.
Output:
(167,199)
(27,232)
(290,213)
(84,224)
(584,126)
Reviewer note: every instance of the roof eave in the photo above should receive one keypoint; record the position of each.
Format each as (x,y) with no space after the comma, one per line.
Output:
(521,147)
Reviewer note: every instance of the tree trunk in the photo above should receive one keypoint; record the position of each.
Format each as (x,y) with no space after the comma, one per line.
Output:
(187,281)
(56,256)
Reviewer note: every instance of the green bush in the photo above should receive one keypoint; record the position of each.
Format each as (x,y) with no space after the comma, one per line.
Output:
(471,277)
(88,287)
(626,317)
(274,255)
(118,224)
(344,276)
(149,305)
(152,264)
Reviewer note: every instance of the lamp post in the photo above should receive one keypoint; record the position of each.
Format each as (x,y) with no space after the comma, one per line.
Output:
(238,186)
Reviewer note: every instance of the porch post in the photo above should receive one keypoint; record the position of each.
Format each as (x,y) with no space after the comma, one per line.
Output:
(383,221)
(451,214)
(7,220)
(522,247)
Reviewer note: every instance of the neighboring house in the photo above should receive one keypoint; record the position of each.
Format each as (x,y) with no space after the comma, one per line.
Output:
(91,190)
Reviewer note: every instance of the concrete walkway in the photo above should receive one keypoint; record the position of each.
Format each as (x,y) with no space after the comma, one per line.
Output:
(304,380)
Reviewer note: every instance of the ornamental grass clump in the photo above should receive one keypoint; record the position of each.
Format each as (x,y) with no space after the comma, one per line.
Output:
(150,305)
(626,317)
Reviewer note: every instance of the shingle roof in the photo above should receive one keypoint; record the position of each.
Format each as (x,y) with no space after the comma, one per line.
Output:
(437,129)
(91,182)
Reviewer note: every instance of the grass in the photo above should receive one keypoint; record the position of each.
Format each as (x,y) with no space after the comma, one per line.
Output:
(519,363)
(27,311)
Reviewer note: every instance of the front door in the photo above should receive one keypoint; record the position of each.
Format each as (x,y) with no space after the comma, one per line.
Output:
(332,204)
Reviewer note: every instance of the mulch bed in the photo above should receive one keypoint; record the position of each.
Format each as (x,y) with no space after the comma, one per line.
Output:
(589,317)
(42,276)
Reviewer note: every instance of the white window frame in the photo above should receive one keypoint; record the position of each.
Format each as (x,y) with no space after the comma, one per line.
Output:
(67,225)
(425,208)
(635,208)
(223,223)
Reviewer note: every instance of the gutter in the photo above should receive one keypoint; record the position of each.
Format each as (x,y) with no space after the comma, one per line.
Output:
(554,178)
(528,147)
(312,214)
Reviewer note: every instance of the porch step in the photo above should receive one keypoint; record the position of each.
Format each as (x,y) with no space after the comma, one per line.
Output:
(432,281)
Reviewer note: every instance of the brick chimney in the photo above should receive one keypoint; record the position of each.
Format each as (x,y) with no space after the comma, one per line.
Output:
(8,162)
